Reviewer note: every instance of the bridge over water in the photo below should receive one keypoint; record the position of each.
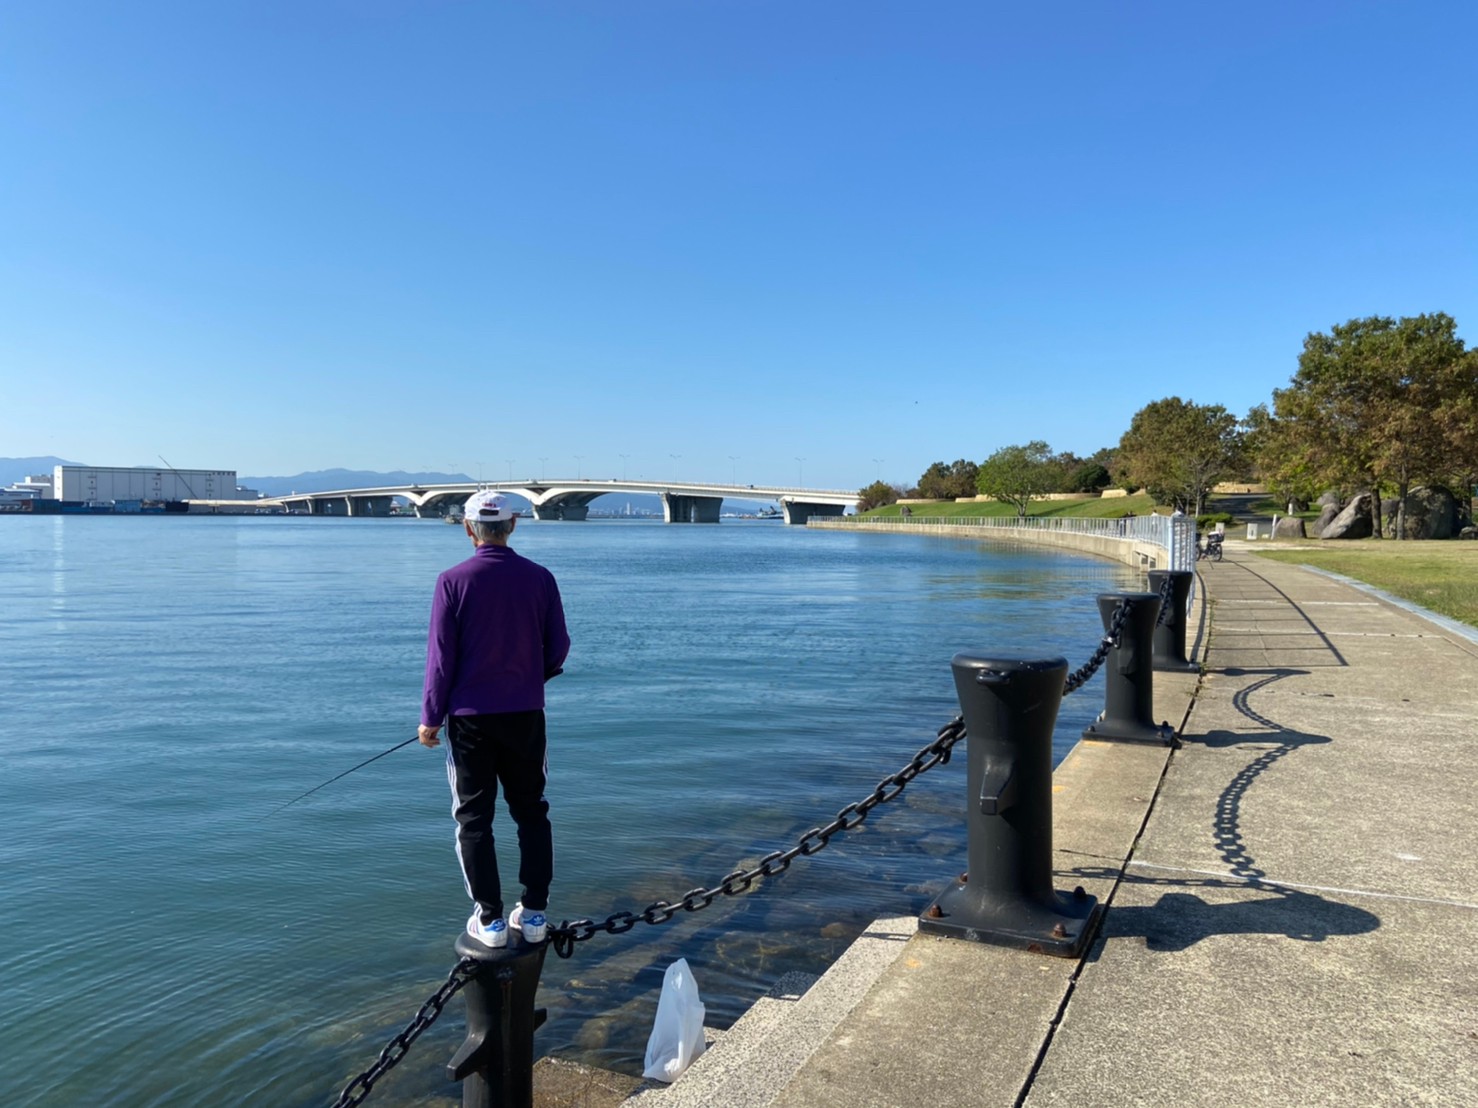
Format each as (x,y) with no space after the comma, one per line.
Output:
(682,501)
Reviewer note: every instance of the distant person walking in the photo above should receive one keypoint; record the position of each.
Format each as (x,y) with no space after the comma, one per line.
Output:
(497,635)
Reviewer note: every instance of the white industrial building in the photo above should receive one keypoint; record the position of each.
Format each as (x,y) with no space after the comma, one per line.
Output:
(105,483)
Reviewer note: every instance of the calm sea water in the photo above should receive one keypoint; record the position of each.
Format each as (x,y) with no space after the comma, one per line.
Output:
(168,682)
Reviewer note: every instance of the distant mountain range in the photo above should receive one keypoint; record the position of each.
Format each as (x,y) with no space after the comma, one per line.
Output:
(13,469)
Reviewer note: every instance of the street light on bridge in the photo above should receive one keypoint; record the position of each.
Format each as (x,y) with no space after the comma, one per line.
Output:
(800,472)
(623,465)
(580,467)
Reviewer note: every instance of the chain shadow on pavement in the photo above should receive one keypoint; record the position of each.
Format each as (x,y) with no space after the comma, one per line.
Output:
(1180,919)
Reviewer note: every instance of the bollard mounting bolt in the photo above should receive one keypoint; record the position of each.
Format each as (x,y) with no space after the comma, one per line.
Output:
(965,877)
(934,912)
(1059,931)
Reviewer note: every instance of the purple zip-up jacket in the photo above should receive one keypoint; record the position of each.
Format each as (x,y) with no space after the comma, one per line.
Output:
(497,634)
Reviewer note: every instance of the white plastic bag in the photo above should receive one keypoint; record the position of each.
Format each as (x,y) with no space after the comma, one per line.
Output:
(677,1032)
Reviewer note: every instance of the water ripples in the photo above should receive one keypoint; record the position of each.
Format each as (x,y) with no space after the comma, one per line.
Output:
(173,680)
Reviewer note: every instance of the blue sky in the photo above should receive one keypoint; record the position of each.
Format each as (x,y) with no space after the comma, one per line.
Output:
(783,241)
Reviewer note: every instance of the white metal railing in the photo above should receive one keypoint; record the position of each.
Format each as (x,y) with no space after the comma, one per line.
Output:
(1176,535)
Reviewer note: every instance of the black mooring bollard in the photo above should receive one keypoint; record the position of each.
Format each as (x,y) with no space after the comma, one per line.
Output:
(1129,677)
(1169,653)
(496,1061)
(1006,896)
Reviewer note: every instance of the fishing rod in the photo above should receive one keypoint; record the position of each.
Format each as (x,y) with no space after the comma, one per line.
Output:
(547,677)
(346,773)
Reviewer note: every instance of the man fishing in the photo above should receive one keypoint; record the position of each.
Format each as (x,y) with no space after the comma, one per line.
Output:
(497,635)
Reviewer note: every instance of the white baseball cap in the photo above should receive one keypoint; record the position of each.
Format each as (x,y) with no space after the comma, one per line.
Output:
(486,506)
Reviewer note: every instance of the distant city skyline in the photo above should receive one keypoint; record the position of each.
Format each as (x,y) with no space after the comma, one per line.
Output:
(814,244)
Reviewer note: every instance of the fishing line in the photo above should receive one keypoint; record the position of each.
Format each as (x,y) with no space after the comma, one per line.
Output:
(346,773)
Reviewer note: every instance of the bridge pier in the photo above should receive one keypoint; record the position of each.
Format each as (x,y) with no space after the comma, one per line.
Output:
(684,508)
(369,505)
(798,511)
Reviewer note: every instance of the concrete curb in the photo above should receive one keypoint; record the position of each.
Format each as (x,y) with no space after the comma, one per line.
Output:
(770,1042)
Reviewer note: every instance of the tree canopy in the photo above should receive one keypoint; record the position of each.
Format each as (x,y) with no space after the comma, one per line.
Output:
(1087,477)
(948,482)
(1178,449)
(1376,403)
(876,495)
(1018,475)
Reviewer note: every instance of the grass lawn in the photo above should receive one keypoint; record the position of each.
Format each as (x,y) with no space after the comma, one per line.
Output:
(1441,575)
(1096,508)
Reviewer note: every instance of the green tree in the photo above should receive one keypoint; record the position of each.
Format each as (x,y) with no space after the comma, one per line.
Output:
(1276,459)
(1377,403)
(1459,421)
(1178,449)
(934,482)
(1088,477)
(876,495)
(948,482)
(1018,475)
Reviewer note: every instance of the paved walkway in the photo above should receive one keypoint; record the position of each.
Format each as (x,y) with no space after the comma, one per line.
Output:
(1292,913)
(1298,923)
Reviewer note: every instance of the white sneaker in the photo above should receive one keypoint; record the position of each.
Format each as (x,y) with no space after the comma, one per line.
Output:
(493,934)
(534,925)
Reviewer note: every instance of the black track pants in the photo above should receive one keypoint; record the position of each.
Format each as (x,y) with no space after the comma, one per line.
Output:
(482,751)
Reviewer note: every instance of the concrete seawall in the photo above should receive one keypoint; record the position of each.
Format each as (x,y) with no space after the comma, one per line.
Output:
(1132,552)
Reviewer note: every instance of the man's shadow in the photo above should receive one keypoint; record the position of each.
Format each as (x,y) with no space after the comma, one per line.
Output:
(1180,918)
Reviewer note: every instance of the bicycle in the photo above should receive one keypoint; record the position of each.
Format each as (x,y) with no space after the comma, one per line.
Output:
(1212,549)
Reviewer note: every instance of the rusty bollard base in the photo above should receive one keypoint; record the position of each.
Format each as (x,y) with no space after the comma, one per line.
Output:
(1062,929)
(1131,731)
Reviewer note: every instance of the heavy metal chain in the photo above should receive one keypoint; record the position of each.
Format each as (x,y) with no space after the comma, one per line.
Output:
(1166,588)
(567,934)
(1079,677)
(396,1049)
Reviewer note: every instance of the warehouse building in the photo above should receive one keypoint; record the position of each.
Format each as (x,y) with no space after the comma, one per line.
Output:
(93,484)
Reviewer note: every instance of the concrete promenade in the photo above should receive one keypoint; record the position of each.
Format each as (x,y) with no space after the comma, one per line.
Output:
(1292,918)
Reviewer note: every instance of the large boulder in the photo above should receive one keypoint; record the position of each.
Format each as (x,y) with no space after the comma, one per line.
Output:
(1355,521)
(1326,517)
(1388,508)
(1431,513)
(1329,500)
(1289,527)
